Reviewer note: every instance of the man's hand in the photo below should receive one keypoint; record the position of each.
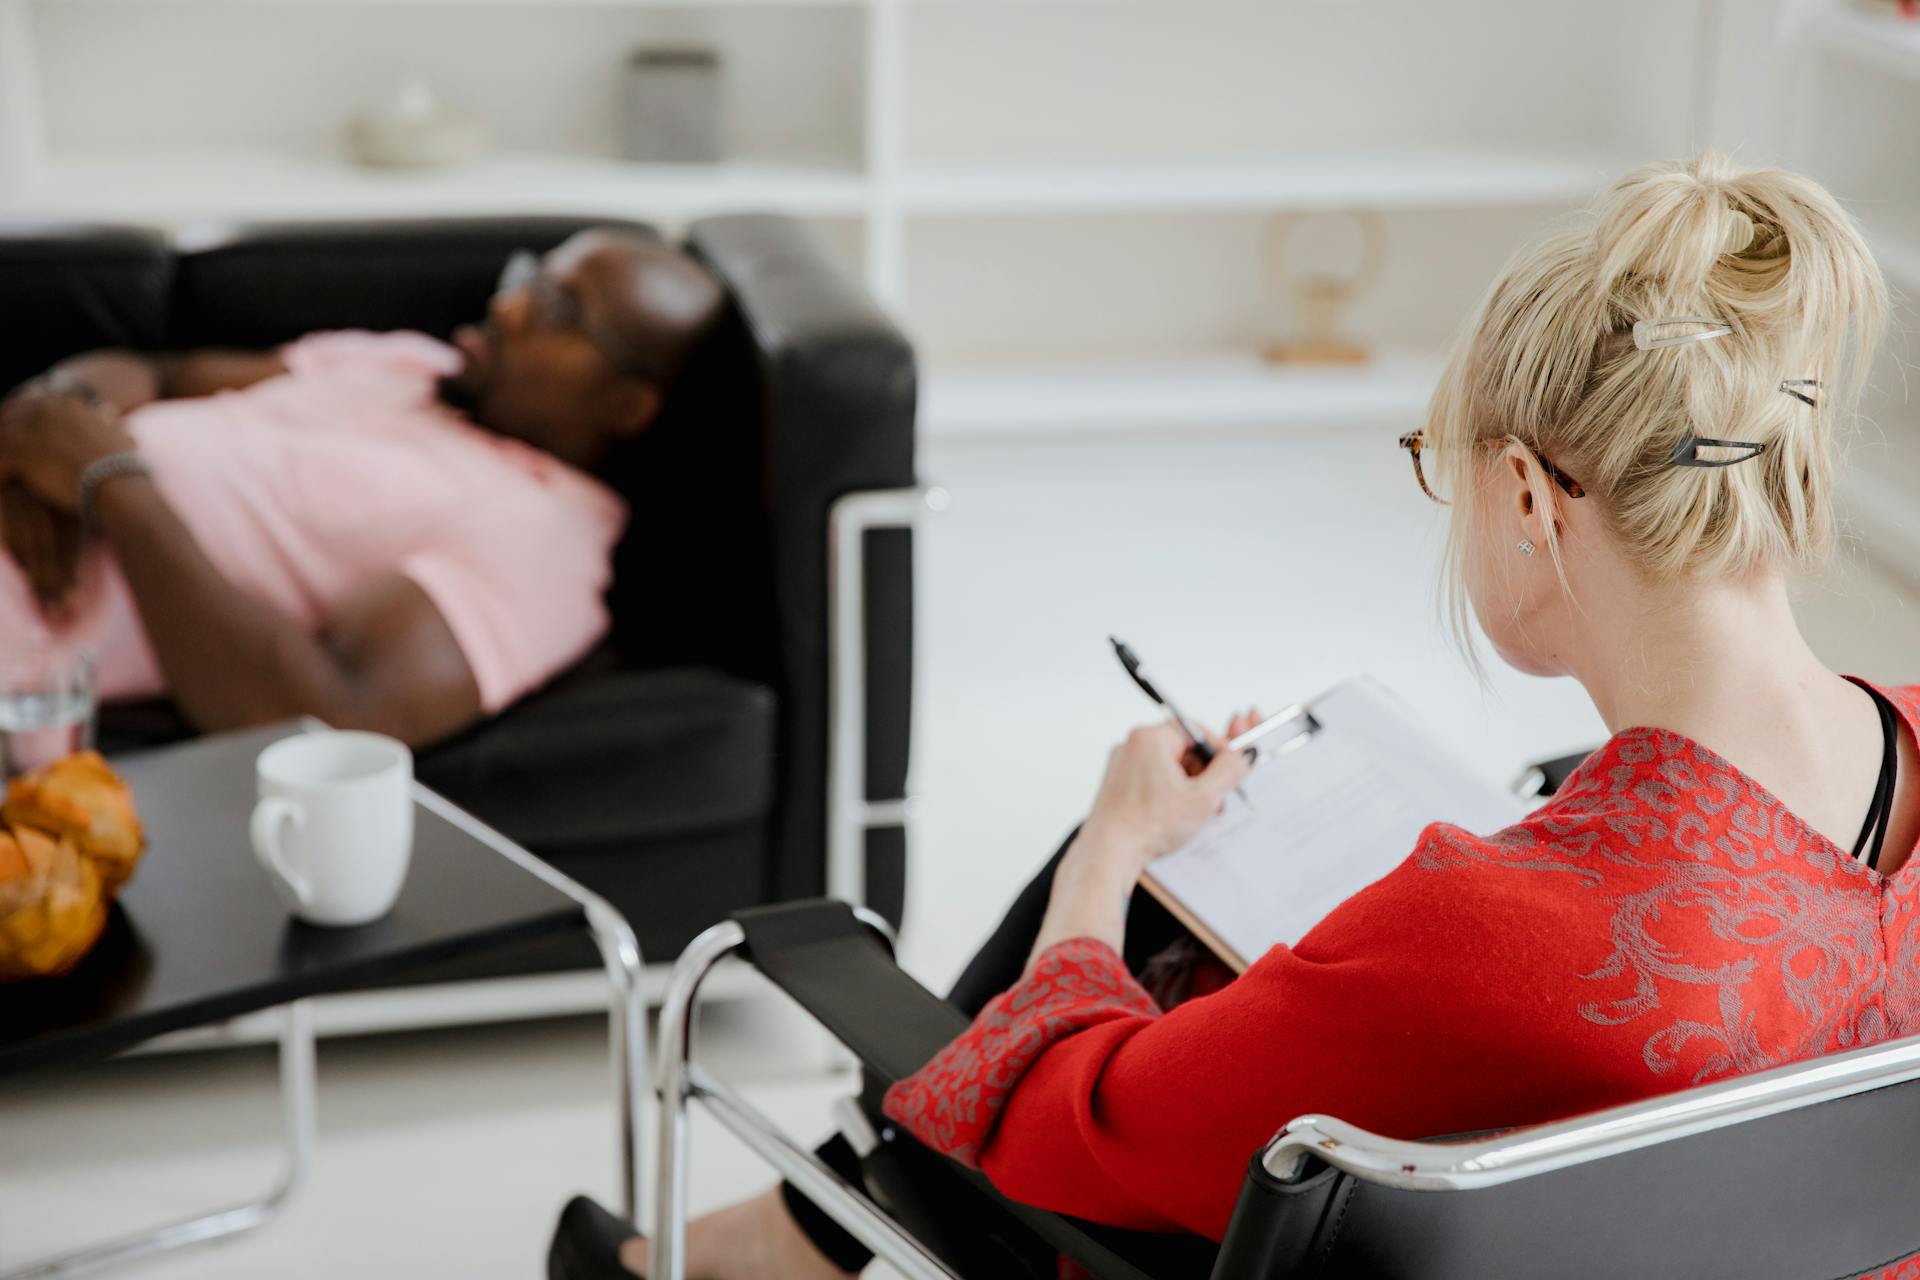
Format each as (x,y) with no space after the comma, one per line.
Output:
(44,542)
(46,441)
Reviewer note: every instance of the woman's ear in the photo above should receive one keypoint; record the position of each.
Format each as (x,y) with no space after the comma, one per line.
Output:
(1521,491)
(1527,496)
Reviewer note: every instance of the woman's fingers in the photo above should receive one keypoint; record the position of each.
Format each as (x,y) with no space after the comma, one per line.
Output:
(1227,771)
(1243,721)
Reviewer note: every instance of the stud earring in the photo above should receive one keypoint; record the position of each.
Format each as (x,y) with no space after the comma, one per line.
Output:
(1526,546)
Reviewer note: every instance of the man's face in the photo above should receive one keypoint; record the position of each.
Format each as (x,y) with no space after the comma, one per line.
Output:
(548,365)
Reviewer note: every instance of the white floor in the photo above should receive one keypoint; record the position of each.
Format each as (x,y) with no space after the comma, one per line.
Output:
(1244,570)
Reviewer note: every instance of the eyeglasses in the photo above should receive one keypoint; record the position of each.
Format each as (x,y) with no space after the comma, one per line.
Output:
(1414,441)
(555,305)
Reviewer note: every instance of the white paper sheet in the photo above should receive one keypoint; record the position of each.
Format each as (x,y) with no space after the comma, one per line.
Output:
(1324,820)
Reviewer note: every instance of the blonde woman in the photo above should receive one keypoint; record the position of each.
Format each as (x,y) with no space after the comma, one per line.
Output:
(1636,435)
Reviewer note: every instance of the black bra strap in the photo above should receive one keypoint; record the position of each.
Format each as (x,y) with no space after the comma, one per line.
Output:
(1880,812)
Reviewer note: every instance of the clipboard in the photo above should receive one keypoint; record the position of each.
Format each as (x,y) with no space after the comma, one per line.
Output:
(1340,789)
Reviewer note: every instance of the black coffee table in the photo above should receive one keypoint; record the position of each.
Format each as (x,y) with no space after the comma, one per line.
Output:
(199,936)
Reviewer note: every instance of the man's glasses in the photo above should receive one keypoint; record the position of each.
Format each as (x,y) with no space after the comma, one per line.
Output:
(1414,441)
(555,305)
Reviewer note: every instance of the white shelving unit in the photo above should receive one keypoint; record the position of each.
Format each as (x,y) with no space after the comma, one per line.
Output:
(256,183)
(871,84)
(1856,75)
(1375,179)
(1209,390)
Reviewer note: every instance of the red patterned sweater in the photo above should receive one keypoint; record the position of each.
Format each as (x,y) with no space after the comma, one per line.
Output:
(1661,921)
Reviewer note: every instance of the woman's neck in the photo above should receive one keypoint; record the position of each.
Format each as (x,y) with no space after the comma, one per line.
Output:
(1713,663)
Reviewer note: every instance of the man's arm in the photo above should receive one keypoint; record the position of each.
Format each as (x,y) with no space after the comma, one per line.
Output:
(384,659)
(44,540)
(128,379)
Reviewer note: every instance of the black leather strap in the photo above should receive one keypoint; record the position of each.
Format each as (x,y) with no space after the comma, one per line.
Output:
(831,965)
(1880,812)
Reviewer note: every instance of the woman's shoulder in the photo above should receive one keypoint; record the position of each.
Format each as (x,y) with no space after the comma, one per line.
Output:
(1608,821)
(1905,696)
(1611,803)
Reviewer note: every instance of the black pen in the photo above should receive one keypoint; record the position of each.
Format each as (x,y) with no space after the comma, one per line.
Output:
(1202,749)
(1131,662)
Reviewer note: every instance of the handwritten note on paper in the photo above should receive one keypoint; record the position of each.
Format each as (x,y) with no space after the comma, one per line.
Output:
(1323,821)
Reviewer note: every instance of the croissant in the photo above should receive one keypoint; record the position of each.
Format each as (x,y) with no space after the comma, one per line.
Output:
(53,905)
(68,839)
(80,798)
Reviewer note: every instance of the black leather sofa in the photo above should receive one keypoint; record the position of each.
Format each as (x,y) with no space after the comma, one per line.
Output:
(681,770)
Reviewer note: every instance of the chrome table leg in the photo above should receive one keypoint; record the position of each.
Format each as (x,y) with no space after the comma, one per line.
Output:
(626,1010)
(627,1029)
(297,1107)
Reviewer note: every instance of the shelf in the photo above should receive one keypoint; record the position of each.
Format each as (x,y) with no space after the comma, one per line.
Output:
(242,184)
(1379,180)
(1181,392)
(1883,40)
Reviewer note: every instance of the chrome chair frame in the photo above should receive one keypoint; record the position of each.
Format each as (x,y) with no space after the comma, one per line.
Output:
(682,1084)
(1525,1153)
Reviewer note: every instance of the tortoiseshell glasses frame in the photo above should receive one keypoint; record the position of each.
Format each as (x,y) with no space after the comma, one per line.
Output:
(1413,442)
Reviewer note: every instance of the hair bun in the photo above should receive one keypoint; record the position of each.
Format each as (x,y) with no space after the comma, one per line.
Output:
(1663,230)
(1740,232)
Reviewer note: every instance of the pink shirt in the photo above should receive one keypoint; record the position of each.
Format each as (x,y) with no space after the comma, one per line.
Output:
(345,468)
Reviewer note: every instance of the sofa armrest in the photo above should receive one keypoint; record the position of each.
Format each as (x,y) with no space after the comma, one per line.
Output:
(837,380)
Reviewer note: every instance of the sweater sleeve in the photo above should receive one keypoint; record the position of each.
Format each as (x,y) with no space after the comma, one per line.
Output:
(953,1102)
(1071,1092)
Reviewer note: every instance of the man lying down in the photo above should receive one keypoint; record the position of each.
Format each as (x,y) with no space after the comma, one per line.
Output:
(380,530)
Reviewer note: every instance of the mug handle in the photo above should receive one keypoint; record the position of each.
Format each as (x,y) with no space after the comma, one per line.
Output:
(270,819)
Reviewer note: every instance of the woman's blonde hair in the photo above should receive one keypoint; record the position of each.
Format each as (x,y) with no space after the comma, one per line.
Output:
(1549,360)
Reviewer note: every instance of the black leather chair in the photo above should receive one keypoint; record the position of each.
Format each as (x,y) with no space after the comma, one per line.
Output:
(1804,1172)
(683,769)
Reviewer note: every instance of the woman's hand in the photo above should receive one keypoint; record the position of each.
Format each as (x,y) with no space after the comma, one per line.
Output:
(1149,804)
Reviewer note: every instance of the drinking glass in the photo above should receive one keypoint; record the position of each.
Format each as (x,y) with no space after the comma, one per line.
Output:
(46,705)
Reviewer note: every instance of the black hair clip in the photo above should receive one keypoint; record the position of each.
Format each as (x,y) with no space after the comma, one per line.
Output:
(1687,452)
(1799,388)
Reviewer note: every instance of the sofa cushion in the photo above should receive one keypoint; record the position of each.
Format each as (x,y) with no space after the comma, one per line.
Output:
(600,760)
(614,759)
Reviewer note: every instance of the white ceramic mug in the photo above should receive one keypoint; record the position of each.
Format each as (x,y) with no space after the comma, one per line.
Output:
(334,823)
